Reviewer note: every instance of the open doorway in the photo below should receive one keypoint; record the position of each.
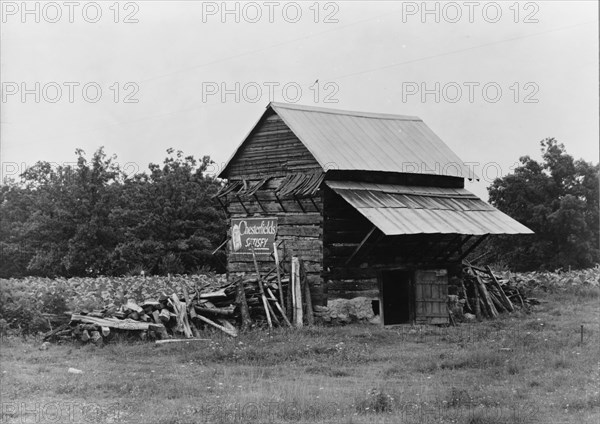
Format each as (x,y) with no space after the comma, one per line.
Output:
(396,298)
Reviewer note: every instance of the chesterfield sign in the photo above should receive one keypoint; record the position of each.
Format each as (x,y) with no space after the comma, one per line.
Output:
(247,233)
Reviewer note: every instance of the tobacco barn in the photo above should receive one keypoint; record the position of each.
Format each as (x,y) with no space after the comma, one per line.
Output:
(373,204)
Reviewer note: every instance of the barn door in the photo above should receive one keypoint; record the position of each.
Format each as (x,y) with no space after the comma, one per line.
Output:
(395,297)
(431,296)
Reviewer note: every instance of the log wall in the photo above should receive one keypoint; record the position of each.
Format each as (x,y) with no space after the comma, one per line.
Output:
(273,150)
(344,230)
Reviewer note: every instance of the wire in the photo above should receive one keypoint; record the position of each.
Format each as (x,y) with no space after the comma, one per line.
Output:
(421,59)
(337,28)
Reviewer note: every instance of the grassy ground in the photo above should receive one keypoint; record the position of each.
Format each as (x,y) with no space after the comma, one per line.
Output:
(518,369)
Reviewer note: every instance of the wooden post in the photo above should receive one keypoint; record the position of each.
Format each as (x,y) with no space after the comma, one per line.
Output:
(262,290)
(279,285)
(310,318)
(296,292)
(486,297)
(507,303)
(477,304)
(285,318)
(243,304)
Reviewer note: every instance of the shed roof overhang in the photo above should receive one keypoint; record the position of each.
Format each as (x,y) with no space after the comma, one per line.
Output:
(402,210)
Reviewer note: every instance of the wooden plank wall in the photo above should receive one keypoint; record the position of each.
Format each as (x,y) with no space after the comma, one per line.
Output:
(273,150)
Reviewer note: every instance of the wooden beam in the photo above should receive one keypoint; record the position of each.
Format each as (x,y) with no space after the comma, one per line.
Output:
(473,246)
(280,203)
(261,289)
(446,247)
(299,203)
(296,293)
(360,246)
(220,246)
(314,204)
(242,203)
(460,245)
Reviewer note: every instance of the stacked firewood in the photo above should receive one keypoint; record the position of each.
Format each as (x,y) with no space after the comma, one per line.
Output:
(182,315)
(486,295)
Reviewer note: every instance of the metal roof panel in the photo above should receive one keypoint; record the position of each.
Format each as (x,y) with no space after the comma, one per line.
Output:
(397,209)
(371,142)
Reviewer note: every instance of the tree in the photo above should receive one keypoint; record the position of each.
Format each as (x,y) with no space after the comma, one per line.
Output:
(558,199)
(88,219)
(171,221)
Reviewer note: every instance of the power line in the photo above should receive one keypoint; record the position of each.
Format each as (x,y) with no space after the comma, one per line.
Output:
(332,78)
(421,59)
(337,28)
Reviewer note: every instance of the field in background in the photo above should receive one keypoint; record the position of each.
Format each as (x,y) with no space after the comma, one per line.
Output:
(522,368)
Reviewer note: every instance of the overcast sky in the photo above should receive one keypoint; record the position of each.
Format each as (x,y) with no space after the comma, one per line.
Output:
(491,79)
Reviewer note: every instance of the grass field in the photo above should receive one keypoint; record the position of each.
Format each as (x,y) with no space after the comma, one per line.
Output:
(522,368)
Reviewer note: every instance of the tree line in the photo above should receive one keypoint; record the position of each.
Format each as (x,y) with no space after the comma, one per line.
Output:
(90,218)
(557,198)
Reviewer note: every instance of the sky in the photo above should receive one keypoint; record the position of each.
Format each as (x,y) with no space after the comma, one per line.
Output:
(491,79)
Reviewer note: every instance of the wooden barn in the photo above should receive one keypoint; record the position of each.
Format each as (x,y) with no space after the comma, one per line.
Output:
(373,204)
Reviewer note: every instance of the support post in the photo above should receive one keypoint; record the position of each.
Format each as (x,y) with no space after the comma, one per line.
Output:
(473,246)
(296,292)
(279,285)
(361,245)
(262,290)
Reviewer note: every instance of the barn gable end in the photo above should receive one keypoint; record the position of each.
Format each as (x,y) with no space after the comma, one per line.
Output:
(271,149)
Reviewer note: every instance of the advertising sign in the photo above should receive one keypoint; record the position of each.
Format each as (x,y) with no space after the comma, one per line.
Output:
(247,233)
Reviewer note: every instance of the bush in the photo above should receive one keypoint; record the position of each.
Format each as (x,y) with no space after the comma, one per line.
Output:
(20,309)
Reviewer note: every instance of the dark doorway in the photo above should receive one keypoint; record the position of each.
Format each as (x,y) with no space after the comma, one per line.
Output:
(396,297)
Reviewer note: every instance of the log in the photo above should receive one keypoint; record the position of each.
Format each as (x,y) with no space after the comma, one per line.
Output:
(278,306)
(224,312)
(232,333)
(121,324)
(497,303)
(133,306)
(296,293)
(243,305)
(262,291)
(55,331)
(464,289)
(505,300)
(181,312)
(96,337)
(165,315)
(477,300)
(181,340)
(218,293)
(310,318)
(279,285)
(486,298)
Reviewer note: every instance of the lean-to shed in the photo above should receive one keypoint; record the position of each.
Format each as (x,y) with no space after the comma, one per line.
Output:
(374,205)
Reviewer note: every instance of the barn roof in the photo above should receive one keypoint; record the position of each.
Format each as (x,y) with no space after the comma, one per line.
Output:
(397,209)
(360,141)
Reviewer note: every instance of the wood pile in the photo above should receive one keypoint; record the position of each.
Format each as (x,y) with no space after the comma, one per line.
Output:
(487,295)
(248,302)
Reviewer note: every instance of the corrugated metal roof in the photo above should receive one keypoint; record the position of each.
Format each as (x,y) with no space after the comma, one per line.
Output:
(397,209)
(371,142)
